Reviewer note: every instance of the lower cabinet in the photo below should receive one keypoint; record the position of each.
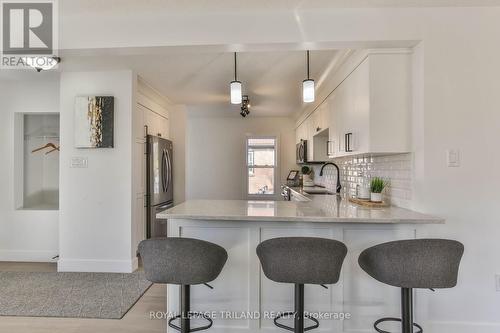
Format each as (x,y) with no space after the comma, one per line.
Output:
(243,290)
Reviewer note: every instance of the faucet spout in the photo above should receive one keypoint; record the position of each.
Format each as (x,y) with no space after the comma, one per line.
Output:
(339,187)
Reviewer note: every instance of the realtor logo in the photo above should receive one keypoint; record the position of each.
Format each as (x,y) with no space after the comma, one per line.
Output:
(27,27)
(28,32)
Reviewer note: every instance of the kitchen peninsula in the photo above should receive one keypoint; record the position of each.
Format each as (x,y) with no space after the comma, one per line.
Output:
(240,225)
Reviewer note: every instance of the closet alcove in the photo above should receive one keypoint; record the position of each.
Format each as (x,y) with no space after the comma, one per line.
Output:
(37,161)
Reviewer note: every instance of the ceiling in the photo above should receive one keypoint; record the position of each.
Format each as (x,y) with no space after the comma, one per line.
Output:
(273,80)
(206,6)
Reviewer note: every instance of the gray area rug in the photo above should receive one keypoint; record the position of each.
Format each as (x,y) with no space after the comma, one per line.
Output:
(75,295)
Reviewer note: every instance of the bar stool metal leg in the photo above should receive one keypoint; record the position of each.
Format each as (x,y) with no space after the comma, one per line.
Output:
(298,314)
(299,308)
(185,306)
(407,310)
(186,314)
(407,324)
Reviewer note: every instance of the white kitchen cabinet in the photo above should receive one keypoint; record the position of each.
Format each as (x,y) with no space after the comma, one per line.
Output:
(313,129)
(157,124)
(301,133)
(323,118)
(370,111)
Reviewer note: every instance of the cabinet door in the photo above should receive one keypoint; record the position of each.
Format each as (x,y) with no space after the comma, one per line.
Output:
(318,120)
(164,127)
(333,125)
(157,124)
(301,132)
(359,116)
(323,115)
(139,122)
(341,113)
(297,134)
(151,122)
(311,130)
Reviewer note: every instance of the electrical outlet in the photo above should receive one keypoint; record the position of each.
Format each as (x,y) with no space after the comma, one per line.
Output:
(497,282)
(79,162)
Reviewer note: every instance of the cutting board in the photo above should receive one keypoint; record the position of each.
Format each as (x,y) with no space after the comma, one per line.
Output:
(368,203)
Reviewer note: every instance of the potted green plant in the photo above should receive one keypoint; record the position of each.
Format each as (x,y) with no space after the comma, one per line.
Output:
(306,175)
(377,185)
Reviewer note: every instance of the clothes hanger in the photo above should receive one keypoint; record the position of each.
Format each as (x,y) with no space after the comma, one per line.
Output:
(48,145)
(50,151)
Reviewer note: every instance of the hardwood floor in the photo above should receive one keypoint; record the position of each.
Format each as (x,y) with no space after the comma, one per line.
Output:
(136,320)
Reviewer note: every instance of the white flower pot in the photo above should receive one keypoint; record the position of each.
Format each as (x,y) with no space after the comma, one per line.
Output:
(376,197)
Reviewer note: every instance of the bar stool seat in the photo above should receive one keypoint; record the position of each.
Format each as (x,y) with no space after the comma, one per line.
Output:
(185,262)
(409,264)
(301,260)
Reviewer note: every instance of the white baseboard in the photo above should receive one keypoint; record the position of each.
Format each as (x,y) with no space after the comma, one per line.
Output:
(461,327)
(27,256)
(97,266)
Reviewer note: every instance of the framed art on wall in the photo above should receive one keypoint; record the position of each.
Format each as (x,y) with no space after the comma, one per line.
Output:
(94,122)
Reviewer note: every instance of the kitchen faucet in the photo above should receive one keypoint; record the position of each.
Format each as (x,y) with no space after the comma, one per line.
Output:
(339,187)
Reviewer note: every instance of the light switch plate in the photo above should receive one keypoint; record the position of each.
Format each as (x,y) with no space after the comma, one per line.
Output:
(497,282)
(453,158)
(79,162)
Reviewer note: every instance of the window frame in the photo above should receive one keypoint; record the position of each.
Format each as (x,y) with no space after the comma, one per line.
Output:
(275,167)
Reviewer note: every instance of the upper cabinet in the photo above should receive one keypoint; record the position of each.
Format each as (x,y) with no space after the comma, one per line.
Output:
(158,125)
(315,130)
(370,111)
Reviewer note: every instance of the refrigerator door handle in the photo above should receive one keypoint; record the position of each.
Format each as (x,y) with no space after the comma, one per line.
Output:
(168,170)
(163,167)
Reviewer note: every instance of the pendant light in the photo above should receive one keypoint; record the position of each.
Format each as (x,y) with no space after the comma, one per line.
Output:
(308,85)
(235,86)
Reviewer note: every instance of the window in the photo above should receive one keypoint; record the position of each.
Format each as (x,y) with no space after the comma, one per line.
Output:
(261,165)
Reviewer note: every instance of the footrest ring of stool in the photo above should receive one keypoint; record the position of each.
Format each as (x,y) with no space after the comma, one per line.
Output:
(316,322)
(420,329)
(195,314)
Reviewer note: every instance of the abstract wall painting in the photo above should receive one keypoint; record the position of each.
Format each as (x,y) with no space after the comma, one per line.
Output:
(94,122)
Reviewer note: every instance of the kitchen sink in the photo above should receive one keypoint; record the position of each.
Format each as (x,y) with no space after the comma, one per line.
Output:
(317,190)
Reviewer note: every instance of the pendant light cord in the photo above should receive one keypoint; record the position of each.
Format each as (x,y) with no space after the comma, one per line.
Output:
(235,68)
(308,64)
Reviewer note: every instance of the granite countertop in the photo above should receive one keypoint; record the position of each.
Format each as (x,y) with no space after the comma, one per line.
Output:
(315,208)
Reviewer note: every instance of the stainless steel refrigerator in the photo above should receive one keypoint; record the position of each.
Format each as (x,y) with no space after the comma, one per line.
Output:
(160,187)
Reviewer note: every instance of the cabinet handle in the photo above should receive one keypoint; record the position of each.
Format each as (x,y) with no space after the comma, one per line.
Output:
(328,145)
(348,141)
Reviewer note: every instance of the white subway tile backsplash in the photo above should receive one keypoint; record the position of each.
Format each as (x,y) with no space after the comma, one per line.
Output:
(396,169)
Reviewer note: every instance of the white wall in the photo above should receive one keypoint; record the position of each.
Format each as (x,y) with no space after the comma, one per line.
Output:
(215,151)
(25,235)
(95,220)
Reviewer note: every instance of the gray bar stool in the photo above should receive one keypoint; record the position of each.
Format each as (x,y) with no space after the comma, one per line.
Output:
(409,264)
(301,260)
(186,262)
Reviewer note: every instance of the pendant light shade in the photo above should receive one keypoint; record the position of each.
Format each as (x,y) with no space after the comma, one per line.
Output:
(235,86)
(235,92)
(308,86)
(308,91)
